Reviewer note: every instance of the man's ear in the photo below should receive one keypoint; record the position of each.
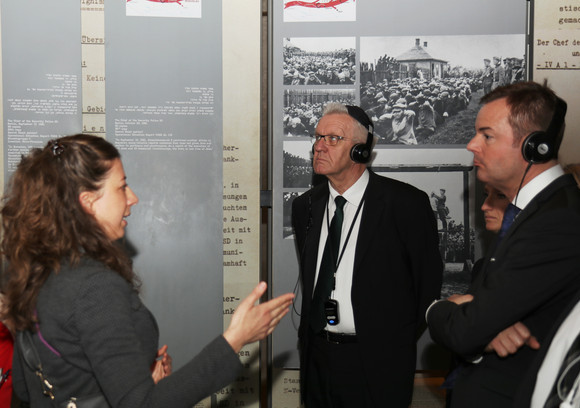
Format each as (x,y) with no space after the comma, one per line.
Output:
(87,198)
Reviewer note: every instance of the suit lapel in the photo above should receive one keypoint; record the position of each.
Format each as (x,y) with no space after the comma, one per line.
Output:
(319,200)
(534,205)
(532,208)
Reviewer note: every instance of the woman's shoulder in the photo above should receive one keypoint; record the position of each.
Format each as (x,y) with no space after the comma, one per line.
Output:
(86,266)
(87,273)
(78,286)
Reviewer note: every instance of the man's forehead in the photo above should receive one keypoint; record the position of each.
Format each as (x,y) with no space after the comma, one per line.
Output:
(492,114)
(337,121)
(495,122)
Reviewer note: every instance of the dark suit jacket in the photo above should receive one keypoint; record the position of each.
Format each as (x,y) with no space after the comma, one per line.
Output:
(531,276)
(397,273)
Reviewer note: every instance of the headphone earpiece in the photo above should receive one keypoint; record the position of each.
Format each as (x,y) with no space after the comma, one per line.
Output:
(542,146)
(538,148)
(361,152)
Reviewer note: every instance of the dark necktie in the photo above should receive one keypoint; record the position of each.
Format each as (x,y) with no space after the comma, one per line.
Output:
(325,283)
(567,375)
(508,218)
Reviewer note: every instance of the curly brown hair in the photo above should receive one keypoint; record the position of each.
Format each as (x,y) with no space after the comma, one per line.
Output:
(45,224)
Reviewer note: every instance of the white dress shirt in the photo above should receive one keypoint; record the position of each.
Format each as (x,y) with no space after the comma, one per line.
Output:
(537,184)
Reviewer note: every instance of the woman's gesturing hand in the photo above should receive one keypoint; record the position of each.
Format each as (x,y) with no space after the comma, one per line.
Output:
(252,322)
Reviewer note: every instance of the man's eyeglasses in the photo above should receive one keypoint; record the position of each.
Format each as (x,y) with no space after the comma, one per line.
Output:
(329,140)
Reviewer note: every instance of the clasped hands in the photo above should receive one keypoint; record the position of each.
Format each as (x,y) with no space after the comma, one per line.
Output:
(509,340)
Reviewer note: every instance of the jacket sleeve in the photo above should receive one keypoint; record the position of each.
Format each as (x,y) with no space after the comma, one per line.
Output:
(535,275)
(419,232)
(110,342)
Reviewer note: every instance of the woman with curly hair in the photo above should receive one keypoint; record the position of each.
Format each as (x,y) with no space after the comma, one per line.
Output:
(69,282)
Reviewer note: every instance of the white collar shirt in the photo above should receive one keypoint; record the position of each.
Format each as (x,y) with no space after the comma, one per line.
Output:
(537,184)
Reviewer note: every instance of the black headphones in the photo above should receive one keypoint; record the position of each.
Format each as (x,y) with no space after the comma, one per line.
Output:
(361,152)
(542,146)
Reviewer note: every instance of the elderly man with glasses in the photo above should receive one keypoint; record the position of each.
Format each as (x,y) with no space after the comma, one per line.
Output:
(370,266)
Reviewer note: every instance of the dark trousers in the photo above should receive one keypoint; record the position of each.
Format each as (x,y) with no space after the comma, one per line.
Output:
(335,376)
(443,217)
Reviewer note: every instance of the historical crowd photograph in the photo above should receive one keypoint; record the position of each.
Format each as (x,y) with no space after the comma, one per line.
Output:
(319,61)
(426,90)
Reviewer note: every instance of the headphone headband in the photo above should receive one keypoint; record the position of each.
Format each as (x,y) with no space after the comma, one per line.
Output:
(557,122)
(361,117)
(361,152)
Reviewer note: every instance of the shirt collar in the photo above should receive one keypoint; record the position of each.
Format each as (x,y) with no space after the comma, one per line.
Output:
(355,192)
(537,184)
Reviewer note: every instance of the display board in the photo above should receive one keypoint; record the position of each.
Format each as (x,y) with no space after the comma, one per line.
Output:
(41,99)
(160,80)
(167,124)
(377,53)
(555,56)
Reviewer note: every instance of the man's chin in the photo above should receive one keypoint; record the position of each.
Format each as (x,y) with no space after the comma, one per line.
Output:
(480,175)
(318,170)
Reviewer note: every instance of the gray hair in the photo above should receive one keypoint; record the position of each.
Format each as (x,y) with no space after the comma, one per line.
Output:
(359,131)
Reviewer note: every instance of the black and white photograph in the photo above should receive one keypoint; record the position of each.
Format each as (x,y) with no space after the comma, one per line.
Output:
(303,108)
(425,90)
(319,61)
(288,198)
(447,192)
(298,164)
(301,11)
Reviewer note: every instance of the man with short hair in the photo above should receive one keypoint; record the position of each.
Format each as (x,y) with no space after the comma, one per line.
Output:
(487,76)
(533,272)
(441,207)
(498,72)
(370,266)
(506,78)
